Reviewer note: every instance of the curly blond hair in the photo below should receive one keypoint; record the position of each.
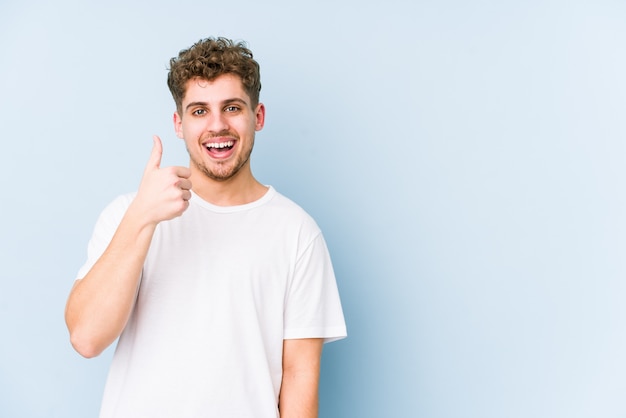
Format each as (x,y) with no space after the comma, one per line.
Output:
(210,58)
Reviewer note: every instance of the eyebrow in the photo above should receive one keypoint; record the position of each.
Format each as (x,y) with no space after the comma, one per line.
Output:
(223,103)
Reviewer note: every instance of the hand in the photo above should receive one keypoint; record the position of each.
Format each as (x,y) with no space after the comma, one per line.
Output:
(164,193)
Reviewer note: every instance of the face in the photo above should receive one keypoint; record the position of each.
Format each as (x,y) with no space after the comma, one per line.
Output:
(218,124)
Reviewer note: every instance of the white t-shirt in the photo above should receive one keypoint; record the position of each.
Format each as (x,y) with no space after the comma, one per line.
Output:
(220,290)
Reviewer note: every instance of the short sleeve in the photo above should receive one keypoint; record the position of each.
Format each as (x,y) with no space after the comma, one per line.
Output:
(103,232)
(313,307)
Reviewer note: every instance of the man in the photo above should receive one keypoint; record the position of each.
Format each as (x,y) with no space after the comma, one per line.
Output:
(220,289)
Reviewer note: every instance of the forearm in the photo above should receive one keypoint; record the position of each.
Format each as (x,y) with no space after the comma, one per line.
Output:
(100,304)
(301,371)
(299,397)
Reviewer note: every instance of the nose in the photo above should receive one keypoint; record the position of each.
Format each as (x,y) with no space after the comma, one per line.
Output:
(216,123)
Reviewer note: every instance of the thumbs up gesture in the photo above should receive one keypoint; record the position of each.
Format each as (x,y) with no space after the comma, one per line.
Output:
(164,192)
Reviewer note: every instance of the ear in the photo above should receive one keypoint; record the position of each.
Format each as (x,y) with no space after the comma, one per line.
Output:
(178,125)
(260,117)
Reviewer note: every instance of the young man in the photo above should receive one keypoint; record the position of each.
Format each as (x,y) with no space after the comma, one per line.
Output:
(220,289)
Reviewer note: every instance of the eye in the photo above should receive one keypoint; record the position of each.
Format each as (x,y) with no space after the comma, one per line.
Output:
(232,108)
(199,112)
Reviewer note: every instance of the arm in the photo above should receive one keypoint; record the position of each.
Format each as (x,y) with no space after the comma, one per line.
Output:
(100,304)
(301,371)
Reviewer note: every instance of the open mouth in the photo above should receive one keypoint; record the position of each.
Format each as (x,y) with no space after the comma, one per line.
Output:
(219,148)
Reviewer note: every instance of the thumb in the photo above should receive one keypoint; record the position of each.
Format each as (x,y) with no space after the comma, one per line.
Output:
(156,154)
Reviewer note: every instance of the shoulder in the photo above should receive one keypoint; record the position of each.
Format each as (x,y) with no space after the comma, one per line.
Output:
(291,210)
(115,210)
(120,202)
(293,220)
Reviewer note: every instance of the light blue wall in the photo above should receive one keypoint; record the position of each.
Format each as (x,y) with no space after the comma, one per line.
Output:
(465,160)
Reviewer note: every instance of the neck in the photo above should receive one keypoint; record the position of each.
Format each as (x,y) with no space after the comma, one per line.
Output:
(241,189)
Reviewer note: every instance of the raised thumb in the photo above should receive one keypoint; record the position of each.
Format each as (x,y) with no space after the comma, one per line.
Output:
(156,154)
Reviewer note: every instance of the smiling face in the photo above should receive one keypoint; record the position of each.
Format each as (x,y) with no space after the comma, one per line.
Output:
(218,124)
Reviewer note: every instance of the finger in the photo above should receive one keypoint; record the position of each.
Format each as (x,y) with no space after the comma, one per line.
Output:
(184,184)
(182,172)
(156,154)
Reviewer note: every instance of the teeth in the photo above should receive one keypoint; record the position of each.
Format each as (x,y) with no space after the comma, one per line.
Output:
(220,144)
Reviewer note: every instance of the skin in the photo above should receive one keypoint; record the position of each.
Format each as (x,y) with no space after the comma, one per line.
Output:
(100,304)
(301,373)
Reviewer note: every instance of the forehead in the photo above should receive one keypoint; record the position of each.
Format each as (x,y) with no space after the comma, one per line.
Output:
(219,89)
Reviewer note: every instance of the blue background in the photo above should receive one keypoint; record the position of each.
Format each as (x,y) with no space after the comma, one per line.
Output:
(465,160)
